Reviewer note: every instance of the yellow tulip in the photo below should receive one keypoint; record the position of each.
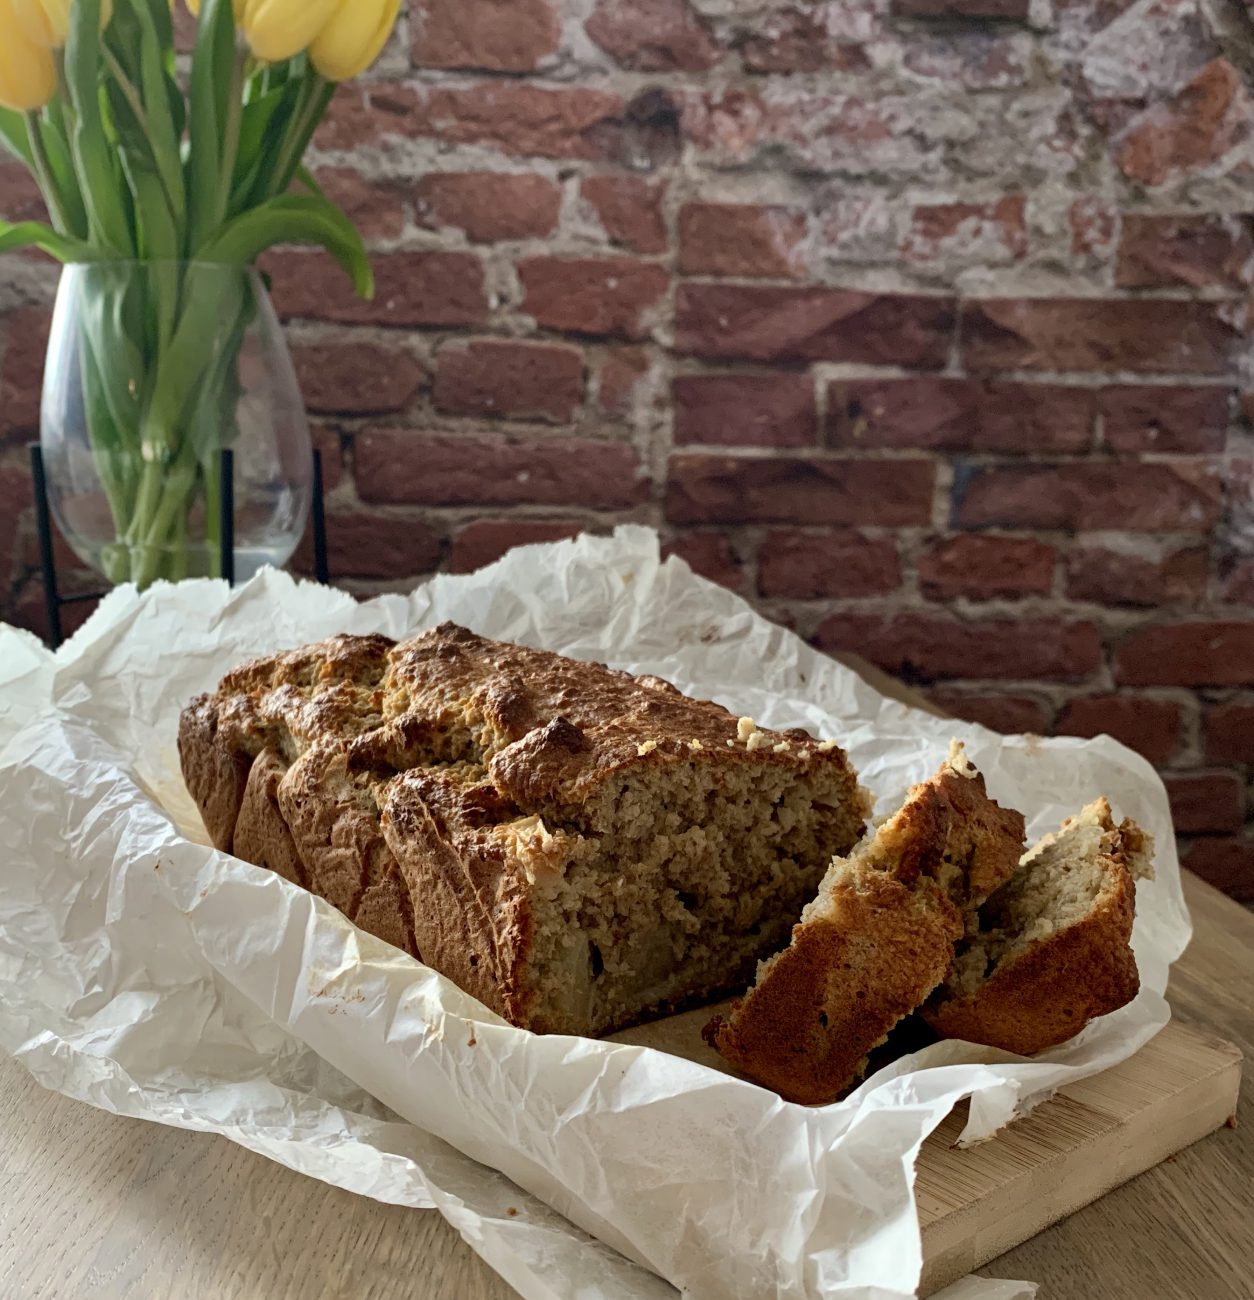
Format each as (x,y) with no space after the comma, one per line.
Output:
(278,29)
(47,22)
(28,72)
(354,37)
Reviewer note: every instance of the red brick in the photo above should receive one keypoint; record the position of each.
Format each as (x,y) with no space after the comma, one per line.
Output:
(25,339)
(1230,733)
(396,465)
(985,568)
(1151,727)
(629,209)
(1164,418)
(929,647)
(1189,132)
(794,40)
(1114,578)
(730,489)
(620,387)
(1097,334)
(989,232)
(367,114)
(517,118)
(327,441)
(1011,9)
(930,413)
(614,297)
(1238,582)
(1205,802)
(1094,225)
(1187,654)
(1161,252)
(488,206)
(486,540)
(20,199)
(366,544)
(498,35)
(741,239)
(528,381)
(374,207)
(1183,497)
(653,35)
(1012,715)
(975,60)
(817,566)
(769,323)
(413,289)
(712,556)
(1228,864)
(28,610)
(344,377)
(15,497)
(774,410)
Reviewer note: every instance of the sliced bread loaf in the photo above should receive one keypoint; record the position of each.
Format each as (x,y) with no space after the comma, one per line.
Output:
(1050,950)
(875,941)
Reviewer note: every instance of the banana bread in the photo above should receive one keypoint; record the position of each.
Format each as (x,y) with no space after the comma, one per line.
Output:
(1050,949)
(576,847)
(875,941)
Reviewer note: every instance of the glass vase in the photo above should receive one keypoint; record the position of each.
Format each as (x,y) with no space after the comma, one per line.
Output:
(153,369)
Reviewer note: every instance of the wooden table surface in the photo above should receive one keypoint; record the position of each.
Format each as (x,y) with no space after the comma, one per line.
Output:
(94,1206)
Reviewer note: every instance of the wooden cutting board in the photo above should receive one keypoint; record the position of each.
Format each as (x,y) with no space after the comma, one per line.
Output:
(974,1204)
(1093,1136)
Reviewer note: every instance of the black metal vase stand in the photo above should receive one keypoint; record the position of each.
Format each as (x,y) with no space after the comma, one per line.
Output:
(54,601)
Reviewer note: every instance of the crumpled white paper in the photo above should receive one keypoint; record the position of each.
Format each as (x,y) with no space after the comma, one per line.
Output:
(150,975)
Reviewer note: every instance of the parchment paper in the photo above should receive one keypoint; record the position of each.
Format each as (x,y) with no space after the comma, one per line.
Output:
(150,975)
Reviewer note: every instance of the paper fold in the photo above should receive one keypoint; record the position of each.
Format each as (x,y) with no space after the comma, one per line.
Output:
(146,973)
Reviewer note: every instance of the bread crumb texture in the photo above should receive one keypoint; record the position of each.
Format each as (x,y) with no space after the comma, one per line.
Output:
(577,847)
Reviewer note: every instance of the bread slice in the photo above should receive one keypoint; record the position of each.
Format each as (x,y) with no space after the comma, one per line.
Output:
(577,847)
(875,941)
(1050,949)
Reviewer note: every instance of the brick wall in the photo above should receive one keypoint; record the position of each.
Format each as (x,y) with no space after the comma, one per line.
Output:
(921,323)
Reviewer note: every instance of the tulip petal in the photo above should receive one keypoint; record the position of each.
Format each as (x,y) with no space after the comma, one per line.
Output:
(354,38)
(28,72)
(280,29)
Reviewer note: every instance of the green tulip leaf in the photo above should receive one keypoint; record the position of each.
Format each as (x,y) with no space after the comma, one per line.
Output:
(295,219)
(34,234)
(13,136)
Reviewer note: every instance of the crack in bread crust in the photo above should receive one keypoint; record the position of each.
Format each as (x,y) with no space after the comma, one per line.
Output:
(576,846)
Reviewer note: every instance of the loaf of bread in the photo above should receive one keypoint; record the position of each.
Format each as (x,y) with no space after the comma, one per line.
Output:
(1050,950)
(576,847)
(875,941)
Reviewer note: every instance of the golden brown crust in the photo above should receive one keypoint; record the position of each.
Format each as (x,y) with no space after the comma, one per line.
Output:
(1048,991)
(215,769)
(261,833)
(833,995)
(362,727)
(876,941)
(1053,990)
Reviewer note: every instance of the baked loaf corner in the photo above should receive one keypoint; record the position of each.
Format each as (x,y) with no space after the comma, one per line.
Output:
(875,941)
(1050,950)
(577,847)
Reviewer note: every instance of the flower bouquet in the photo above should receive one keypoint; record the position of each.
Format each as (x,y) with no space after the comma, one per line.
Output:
(164,180)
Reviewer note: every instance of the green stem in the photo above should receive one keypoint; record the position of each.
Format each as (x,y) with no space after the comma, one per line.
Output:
(132,96)
(231,132)
(316,94)
(43,173)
